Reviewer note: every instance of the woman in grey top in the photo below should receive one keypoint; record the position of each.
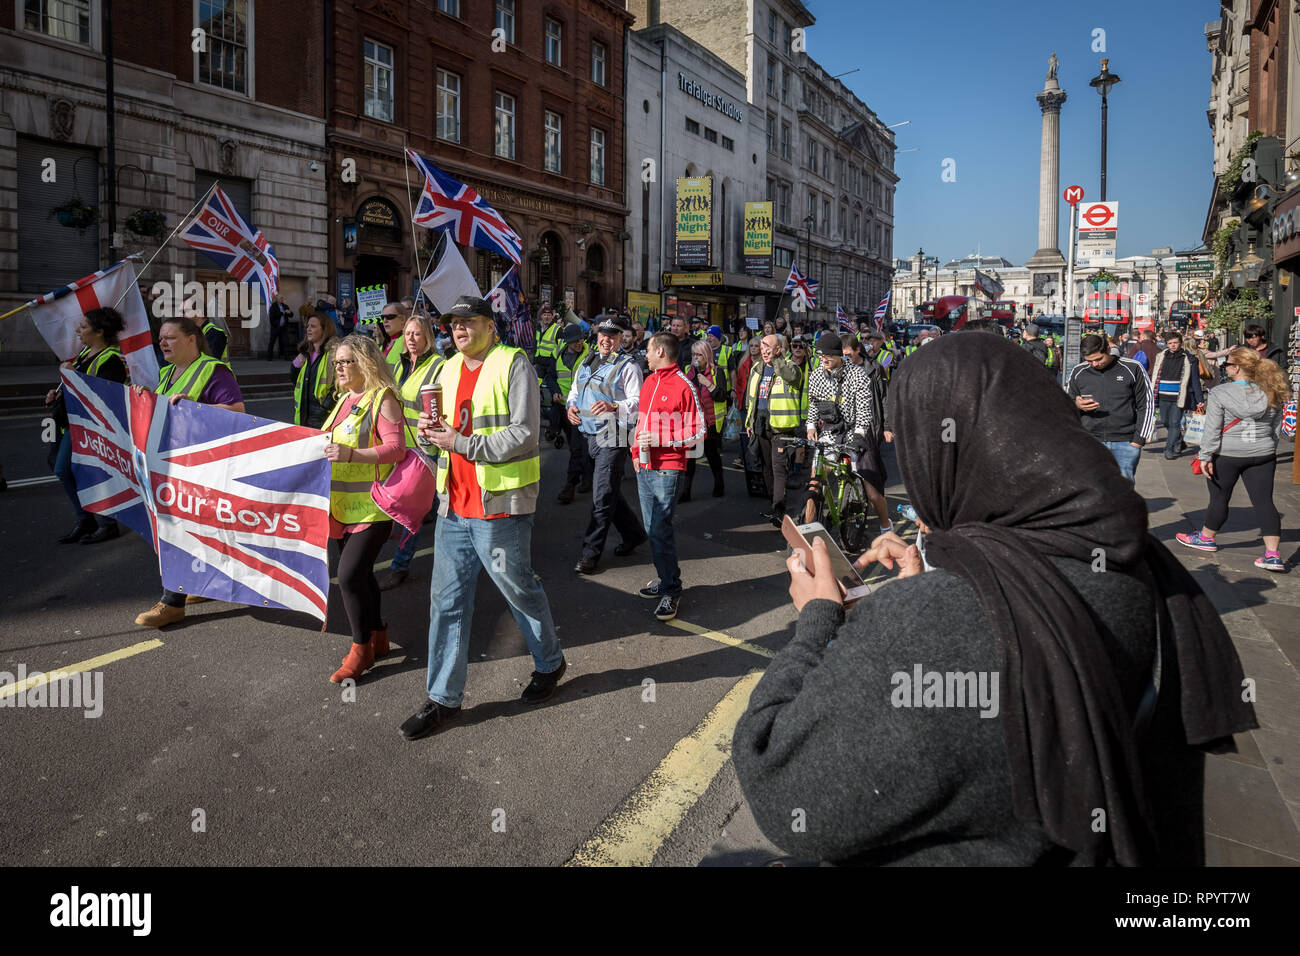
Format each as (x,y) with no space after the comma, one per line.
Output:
(1243,420)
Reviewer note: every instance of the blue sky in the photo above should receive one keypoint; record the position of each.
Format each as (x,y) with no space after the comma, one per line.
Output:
(965,74)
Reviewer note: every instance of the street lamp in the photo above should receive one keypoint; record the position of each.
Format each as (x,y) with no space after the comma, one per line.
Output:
(1102,83)
(1252,265)
(1237,275)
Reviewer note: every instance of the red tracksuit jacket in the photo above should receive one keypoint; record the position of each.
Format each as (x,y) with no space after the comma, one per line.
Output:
(670,411)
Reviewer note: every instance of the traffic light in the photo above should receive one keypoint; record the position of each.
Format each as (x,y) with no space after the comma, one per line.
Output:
(1030,307)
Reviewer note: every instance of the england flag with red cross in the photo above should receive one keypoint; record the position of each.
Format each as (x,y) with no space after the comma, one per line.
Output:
(225,237)
(237,507)
(58,314)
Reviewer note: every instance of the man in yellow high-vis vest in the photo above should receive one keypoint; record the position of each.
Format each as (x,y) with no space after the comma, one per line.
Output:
(772,414)
(487,482)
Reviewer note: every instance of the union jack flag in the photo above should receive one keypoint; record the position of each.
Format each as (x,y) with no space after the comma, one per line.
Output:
(882,310)
(842,317)
(225,237)
(450,205)
(236,507)
(57,314)
(508,300)
(803,287)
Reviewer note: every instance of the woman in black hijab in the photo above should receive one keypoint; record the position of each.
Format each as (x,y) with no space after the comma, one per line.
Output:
(1049,609)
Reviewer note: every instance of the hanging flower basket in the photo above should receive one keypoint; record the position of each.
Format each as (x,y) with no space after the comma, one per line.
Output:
(75,214)
(146,222)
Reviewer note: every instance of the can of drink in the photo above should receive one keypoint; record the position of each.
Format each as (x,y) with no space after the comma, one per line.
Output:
(431,400)
(645,456)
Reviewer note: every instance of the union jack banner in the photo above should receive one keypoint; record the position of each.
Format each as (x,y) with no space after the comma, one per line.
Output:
(450,205)
(57,314)
(882,310)
(508,299)
(803,287)
(842,317)
(236,507)
(223,235)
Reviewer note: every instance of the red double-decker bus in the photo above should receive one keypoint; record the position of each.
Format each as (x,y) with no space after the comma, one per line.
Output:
(1111,312)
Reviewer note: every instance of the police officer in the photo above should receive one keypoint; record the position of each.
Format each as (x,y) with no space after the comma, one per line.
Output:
(567,361)
(602,403)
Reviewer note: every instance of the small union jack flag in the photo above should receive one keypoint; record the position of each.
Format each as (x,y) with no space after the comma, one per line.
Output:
(803,287)
(882,310)
(225,237)
(450,205)
(513,308)
(236,507)
(846,324)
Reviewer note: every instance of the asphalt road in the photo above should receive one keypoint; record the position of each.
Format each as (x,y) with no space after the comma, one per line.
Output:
(232,721)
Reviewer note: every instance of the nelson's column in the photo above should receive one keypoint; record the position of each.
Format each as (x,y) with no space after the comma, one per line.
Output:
(1048,265)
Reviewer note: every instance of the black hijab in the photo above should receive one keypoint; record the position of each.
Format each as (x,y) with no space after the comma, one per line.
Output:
(998,466)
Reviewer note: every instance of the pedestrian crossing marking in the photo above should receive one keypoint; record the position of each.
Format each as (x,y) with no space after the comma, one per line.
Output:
(62,670)
(635,832)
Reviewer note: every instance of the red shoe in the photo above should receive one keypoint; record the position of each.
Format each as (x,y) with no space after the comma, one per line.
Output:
(379,641)
(358,661)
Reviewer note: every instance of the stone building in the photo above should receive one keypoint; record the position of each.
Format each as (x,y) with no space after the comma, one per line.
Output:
(689,117)
(1229,111)
(830,160)
(242,112)
(531,118)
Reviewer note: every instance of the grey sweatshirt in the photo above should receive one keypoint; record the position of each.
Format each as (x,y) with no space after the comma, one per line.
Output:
(833,770)
(1255,436)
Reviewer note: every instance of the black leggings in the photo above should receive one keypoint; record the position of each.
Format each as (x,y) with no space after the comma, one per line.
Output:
(357,553)
(1257,475)
(713,452)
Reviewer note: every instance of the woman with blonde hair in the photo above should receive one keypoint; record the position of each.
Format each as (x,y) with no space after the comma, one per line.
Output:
(1243,420)
(711,383)
(366,441)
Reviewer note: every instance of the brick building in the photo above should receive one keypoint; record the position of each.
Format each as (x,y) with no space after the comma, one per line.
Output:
(532,121)
(248,111)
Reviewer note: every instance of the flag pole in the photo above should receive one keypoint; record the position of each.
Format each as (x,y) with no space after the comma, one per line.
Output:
(415,252)
(183,220)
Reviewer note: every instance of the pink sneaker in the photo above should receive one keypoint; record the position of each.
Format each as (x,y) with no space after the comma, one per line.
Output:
(1194,540)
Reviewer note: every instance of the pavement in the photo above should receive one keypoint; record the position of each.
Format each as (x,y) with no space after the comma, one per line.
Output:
(222,742)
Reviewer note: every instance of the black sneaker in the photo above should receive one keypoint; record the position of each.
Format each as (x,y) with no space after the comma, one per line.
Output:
(542,686)
(429,718)
(651,590)
(667,609)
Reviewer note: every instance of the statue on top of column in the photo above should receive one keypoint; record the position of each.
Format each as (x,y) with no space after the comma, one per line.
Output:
(1051,66)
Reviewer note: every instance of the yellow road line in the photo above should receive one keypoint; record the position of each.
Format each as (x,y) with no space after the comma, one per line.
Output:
(722,638)
(636,831)
(9,690)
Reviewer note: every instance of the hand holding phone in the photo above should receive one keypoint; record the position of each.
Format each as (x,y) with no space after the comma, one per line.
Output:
(819,570)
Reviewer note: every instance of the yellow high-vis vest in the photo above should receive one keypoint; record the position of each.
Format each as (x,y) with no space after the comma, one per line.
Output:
(350,481)
(489,412)
(320,384)
(782,402)
(408,390)
(192,383)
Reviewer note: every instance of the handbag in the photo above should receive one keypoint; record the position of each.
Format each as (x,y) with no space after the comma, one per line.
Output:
(731,427)
(1197,468)
(407,494)
(1193,427)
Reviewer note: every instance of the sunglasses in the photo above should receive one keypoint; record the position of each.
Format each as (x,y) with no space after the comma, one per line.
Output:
(344,363)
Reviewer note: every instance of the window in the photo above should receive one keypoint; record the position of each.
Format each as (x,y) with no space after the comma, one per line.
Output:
(379,80)
(598,157)
(61,19)
(598,63)
(889,242)
(506,19)
(782,259)
(224,62)
(812,210)
(711,135)
(450,6)
(553,127)
(505,126)
(826,217)
(812,154)
(771,27)
(554,35)
(857,228)
(785,86)
(771,189)
(448,106)
(784,204)
(771,133)
(844,220)
(728,143)
(826,162)
(692,126)
(771,77)
(785,36)
(785,141)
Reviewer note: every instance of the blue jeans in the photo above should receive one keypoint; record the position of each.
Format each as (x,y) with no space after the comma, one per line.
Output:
(1171,416)
(659,491)
(502,547)
(1126,456)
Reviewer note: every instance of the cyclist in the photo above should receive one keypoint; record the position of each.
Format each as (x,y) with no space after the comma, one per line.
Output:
(841,403)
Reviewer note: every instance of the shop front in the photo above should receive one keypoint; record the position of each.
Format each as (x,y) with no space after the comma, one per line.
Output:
(718,298)
(1285,233)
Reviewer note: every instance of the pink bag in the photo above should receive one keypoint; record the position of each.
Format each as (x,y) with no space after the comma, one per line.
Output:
(407,494)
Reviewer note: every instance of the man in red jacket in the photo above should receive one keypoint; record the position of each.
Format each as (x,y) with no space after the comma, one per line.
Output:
(670,425)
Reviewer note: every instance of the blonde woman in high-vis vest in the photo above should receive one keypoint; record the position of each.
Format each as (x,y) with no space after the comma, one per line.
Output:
(366,441)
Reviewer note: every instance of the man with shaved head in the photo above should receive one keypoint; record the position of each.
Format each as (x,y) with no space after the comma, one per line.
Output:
(772,416)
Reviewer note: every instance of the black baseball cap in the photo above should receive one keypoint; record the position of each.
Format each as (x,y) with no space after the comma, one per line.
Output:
(572,332)
(828,343)
(468,306)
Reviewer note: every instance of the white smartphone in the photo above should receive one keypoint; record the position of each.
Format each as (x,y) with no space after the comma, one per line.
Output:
(800,538)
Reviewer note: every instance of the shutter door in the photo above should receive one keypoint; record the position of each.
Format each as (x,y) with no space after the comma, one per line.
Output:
(239,191)
(51,255)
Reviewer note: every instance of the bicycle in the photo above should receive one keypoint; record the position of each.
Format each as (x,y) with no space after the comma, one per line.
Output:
(838,498)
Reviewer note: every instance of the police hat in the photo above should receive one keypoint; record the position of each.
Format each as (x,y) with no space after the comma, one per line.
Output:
(614,325)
